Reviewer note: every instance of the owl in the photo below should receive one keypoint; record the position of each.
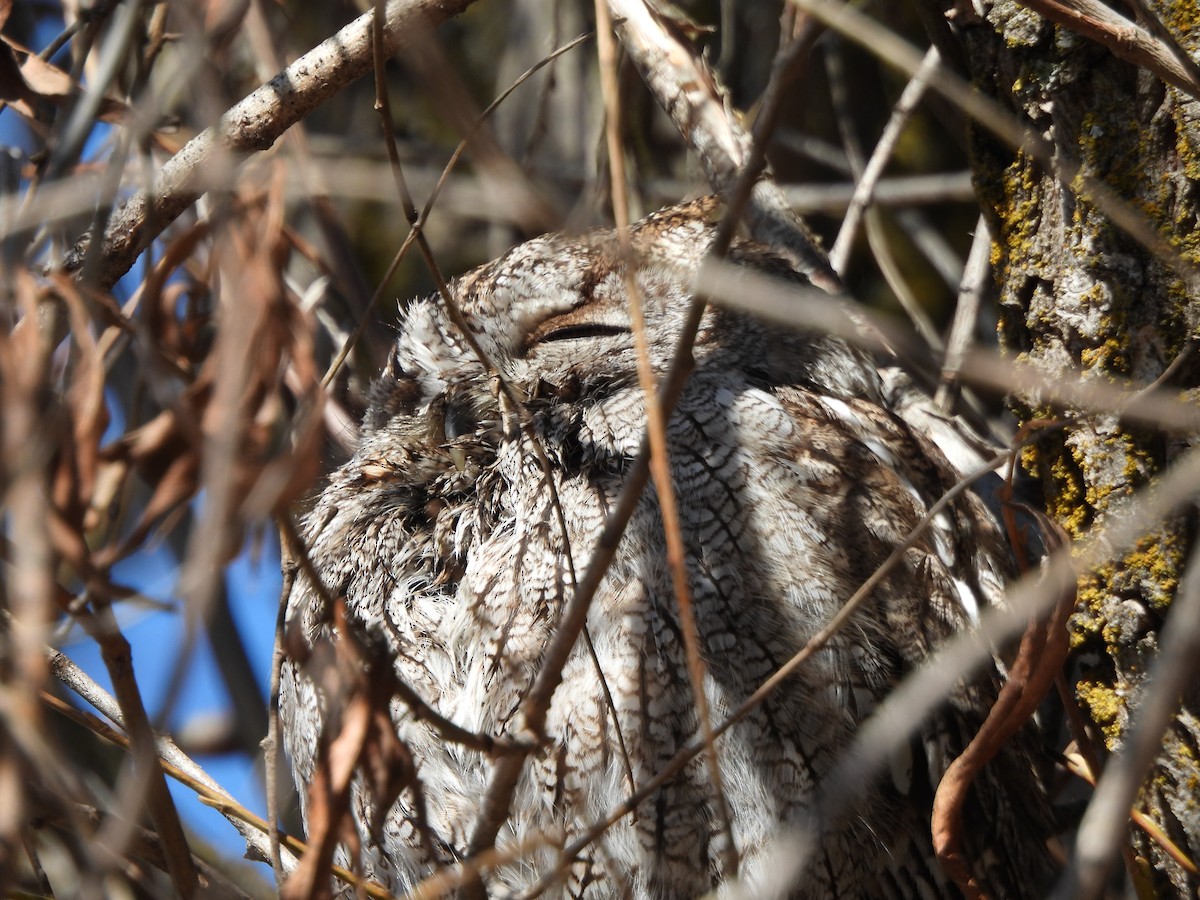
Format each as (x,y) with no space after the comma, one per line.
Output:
(488,464)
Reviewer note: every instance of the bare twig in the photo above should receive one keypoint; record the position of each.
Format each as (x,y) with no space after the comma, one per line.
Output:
(467,196)
(966,315)
(800,307)
(112,57)
(868,182)
(143,838)
(290,548)
(253,125)
(573,619)
(1077,765)
(607,57)
(876,236)
(537,702)
(146,783)
(1149,20)
(313,184)
(895,720)
(813,645)
(175,762)
(901,190)
(144,844)
(898,53)
(27,435)
(656,433)
(494,809)
(434,193)
(1038,663)
(689,92)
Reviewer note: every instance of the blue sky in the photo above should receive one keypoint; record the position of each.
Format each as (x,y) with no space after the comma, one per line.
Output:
(156,637)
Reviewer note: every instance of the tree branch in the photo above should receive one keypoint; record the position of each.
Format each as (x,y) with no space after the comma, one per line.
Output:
(251,125)
(696,102)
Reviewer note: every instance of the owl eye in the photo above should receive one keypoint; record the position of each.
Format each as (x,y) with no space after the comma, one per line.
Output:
(582,331)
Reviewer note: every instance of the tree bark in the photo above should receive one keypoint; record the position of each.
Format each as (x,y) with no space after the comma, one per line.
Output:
(1075,290)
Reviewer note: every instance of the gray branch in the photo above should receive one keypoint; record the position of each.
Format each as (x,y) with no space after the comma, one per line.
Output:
(252,125)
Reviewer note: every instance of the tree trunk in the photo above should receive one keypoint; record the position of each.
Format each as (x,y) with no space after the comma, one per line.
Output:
(1076,290)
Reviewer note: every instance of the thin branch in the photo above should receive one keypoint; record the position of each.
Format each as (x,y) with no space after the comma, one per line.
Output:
(798,306)
(508,767)
(144,844)
(901,713)
(253,125)
(27,438)
(931,242)
(1149,20)
(494,809)
(113,56)
(470,197)
(901,190)
(1077,765)
(877,238)
(416,226)
(174,761)
(689,92)
(142,837)
(208,791)
(606,52)
(1038,662)
(898,53)
(966,315)
(656,433)
(868,181)
(498,796)
(267,44)
(272,746)
(146,784)
(467,872)
(764,690)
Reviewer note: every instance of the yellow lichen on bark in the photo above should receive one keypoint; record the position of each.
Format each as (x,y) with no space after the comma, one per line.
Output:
(1077,291)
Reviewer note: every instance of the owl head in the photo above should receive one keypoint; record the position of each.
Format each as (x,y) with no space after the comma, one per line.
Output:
(551,318)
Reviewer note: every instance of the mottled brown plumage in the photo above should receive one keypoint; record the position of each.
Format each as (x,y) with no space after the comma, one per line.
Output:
(794,481)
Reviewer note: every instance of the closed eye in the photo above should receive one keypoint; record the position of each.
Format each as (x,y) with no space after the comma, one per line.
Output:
(582,331)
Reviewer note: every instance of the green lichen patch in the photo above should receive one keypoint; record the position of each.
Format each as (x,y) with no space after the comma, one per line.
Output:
(1105,705)
(1086,626)
(1018,210)
(1111,356)
(1158,561)
(1067,493)
(1182,18)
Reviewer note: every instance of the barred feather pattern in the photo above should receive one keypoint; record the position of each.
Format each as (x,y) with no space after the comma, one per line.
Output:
(794,482)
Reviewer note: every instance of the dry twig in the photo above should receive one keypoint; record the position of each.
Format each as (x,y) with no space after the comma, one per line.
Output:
(253,125)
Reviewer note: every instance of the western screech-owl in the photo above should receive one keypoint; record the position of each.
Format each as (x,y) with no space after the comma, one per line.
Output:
(794,482)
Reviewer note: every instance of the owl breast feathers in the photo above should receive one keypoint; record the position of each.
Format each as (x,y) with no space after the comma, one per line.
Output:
(442,543)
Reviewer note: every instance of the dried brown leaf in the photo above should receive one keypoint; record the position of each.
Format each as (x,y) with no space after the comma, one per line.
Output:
(164,453)
(1040,659)
(12,83)
(40,81)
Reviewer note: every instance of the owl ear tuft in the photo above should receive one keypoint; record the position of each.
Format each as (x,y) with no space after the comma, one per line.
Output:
(395,392)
